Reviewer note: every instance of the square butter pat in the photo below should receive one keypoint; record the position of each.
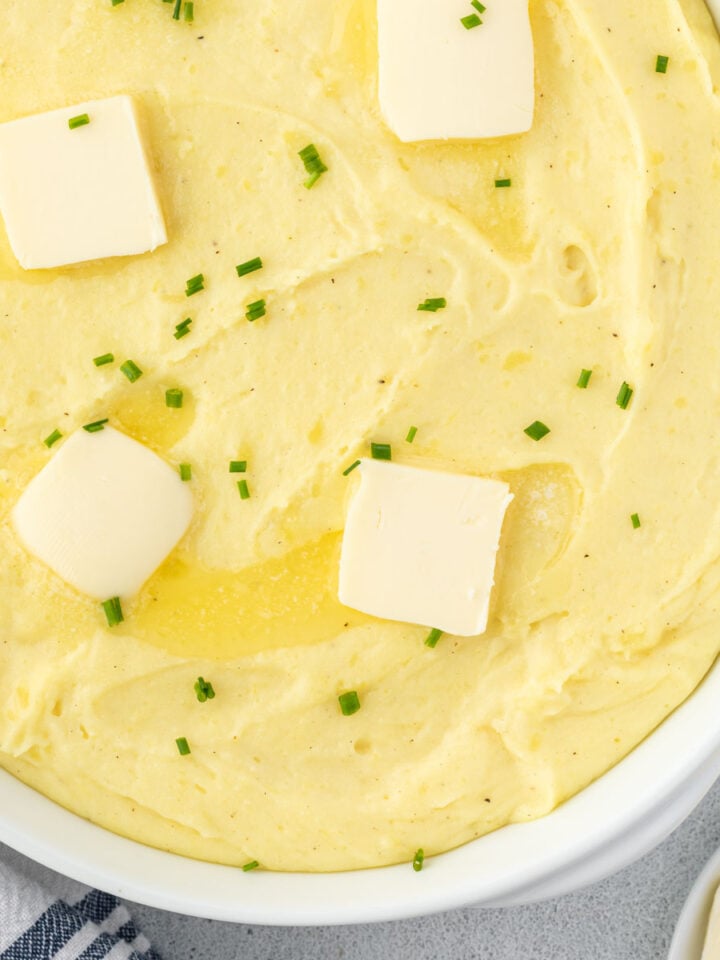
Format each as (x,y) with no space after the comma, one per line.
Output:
(72,195)
(103,513)
(440,81)
(420,546)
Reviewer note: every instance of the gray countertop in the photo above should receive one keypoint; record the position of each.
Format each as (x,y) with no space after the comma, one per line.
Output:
(630,916)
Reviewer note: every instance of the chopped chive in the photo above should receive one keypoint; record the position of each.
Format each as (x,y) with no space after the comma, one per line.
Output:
(349,703)
(116,3)
(351,468)
(80,121)
(113,611)
(661,64)
(506,182)
(432,638)
(624,395)
(174,398)
(96,426)
(433,304)
(204,690)
(176,11)
(52,439)
(252,865)
(238,466)
(243,489)
(194,285)
(537,430)
(255,310)
(635,520)
(183,746)
(313,164)
(411,434)
(418,860)
(381,451)
(104,360)
(189,12)
(584,379)
(131,370)
(481,8)
(250,266)
(470,21)
(185,472)
(182,329)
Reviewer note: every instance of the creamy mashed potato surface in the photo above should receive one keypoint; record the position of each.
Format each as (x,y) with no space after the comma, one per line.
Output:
(602,255)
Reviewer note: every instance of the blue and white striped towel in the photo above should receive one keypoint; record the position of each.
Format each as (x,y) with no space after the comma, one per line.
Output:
(81,924)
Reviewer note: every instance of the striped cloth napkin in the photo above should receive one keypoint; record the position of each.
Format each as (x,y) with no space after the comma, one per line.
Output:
(73,923)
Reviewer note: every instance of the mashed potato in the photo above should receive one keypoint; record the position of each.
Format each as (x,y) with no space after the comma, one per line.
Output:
(602,255)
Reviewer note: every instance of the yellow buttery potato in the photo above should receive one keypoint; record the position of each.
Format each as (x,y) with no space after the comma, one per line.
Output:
(602,255)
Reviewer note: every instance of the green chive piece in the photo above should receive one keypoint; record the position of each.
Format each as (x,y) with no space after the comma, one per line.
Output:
(204,690)
(80,121)
(104,360)
(584,379)
(131,370)
(624,396)
(183,746)
(185,472)
(472,20)
(313,164)
(411,434)
(506,182)
(113,611)
(253,865)
(433,304)
(189,12)
(96,426)
(243,489)
(176,11)
(182,329)
(255,310)
(432,638)
(194,285)
(116,3)
(238,466)
(635,520)
(381,451)
(250,266)
(537,430)
(418,860)
(174,398)
(52,439)
(481,8)
(661,64)
(350,469)
(349,703)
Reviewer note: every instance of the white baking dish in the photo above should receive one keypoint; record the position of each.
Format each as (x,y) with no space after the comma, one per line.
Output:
(615,820)
(611,823)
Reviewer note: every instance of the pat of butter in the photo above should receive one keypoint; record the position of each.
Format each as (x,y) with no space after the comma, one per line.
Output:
(73,195)
(103,513)
(711,950)
(420,546)
(441,81)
